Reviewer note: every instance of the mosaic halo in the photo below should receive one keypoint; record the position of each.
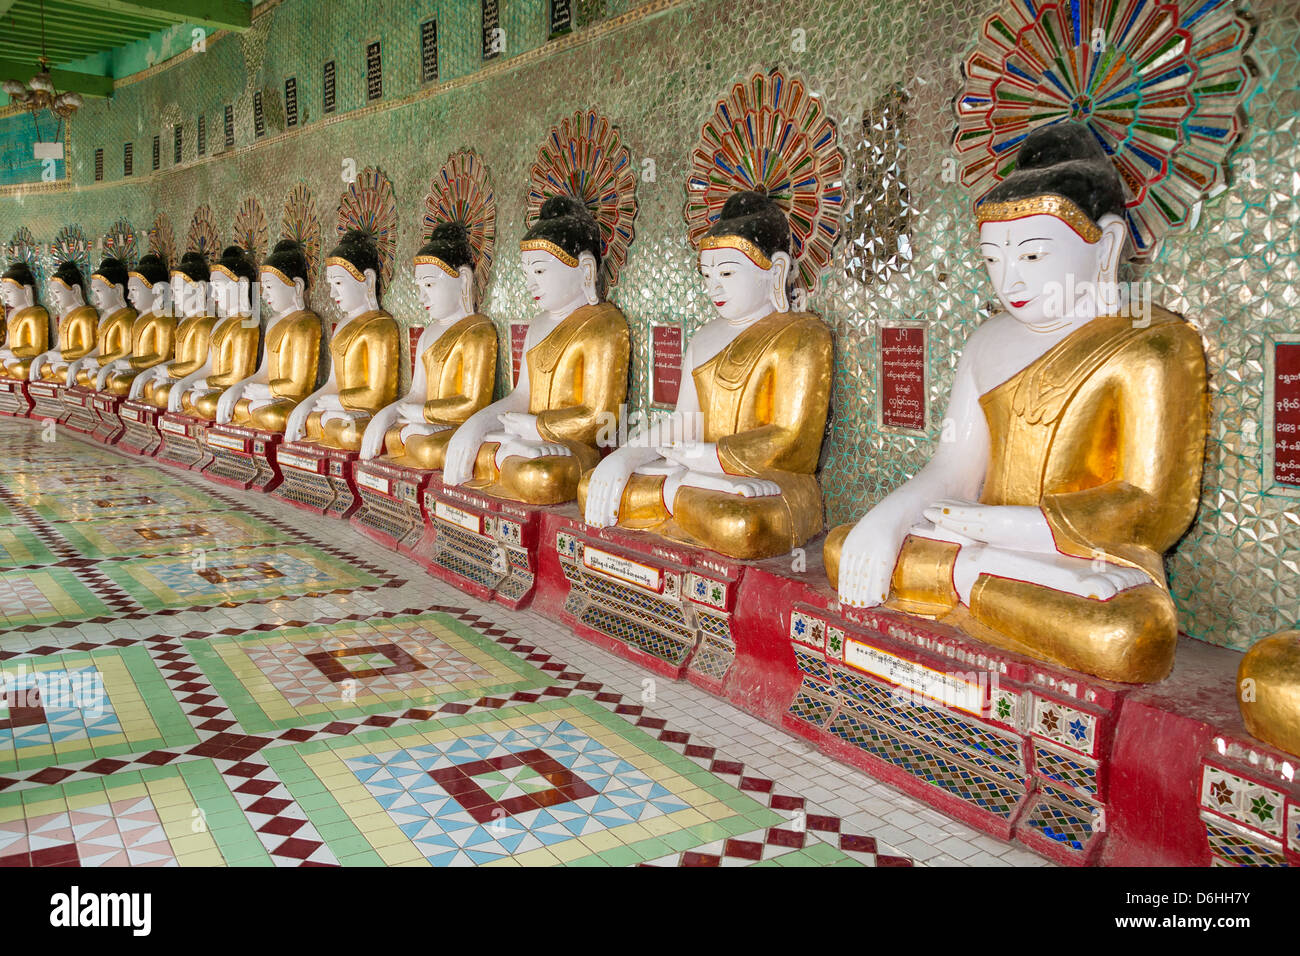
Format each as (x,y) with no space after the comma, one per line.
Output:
(299,222)
(71,245)
(203,236)
(120,242)
(23,247)
(371,204)
(1160,84)
(162,240)
(462,192)
(771,135)
(583,156)
(250,230)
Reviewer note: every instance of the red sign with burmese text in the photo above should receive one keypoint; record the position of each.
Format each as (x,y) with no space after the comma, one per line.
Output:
(902,377)
(666,364)
(1286,414)
(518,334)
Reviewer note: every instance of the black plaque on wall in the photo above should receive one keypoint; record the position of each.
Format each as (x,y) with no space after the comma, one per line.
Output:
(429,50)
(374,73)
(99,165)
(177,142)
(202,144)
(259,117)
(157,151)
(291,101)
(327,88)
(494,40)
(128,158)
(561,17)
(230,126)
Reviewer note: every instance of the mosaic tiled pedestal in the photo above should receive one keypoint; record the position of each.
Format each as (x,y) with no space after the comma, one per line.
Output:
(391,510)
(665,606)
(139,425)
(183,440)
(318,479)
(79,404)
(485,546)
(1017,748)
(47,401)
(1250,803)
(110,427)
(243,457)
(13,397)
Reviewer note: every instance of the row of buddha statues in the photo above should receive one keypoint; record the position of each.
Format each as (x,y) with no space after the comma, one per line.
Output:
(1073,438)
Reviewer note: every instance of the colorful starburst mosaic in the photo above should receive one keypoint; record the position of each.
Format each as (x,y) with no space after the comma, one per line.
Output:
(462,192)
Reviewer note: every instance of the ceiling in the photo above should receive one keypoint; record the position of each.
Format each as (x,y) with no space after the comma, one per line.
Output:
(78,29)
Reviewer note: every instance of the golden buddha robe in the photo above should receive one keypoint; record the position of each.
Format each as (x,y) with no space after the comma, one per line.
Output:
(76,339)
(293,357)
(113,340)
(366,352)
(577,377)
(234,357)
(27,336)
(193,338)
(764,400)
(460,372)
(1105,433)
(153,341)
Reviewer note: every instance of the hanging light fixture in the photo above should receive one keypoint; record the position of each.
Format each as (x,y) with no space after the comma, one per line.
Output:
(39,92)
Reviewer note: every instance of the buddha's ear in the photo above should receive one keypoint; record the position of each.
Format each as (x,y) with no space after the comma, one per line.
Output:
(466,288)
(1114,233)
(300,287)
(590,274)
(779,273)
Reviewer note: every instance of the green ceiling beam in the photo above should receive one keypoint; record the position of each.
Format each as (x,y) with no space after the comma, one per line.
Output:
(57,52)
(65,81)
(217,14)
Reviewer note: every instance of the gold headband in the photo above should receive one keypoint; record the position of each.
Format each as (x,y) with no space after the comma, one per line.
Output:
(343,263)
(177,272)
(15,282)
(61,282)
(545,245)
(1045,205)
(751,251)
(278,274)
(143,278)
(435,261)
(226,272)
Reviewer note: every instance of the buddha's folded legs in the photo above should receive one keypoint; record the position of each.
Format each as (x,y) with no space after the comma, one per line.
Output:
(419,451)
(118,383)
(86,376)
(19,369)
(271,417)
(337,432)
(157,393)
(1129,637)
(642,506)
(1270,703)
(548,480)
(203,405)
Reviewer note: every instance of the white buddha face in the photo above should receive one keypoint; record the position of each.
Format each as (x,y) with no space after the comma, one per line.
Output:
(736,285)
(348,294)
(439,293)
(280,296)
(552,284)
(107,297)
(16,296)
(191,297)
(140,293)
(65,299)
(230,297)
(1042,270)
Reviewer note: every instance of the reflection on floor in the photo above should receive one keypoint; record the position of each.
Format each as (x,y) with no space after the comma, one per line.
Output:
(191,676)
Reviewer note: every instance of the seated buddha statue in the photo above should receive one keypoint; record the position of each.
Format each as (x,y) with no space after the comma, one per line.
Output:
(365,351)
(153,332)
(732,469)
(191,295)
(456,369)
(77,325)
(113,334)
(1077,432)
(288,370)
(534,444)
(232,349)
(27,330)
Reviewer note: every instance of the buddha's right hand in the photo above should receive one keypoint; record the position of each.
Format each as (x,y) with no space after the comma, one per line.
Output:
(372,442)
(605,490)
(867,560)
(226,403)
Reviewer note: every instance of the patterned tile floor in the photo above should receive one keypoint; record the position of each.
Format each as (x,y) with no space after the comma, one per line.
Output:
(195,676)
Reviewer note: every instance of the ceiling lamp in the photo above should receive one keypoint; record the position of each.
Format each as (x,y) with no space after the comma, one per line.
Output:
(39,93)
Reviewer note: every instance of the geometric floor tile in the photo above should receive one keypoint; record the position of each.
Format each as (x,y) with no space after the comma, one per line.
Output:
(286,678)
(123,502)
(45,596)
(19,547)
(76,706)
(242,574)
(179,815)
(558,781)
(150,534)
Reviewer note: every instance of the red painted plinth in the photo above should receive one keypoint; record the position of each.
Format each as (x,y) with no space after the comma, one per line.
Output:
(318,479)
(47,401)
(243,457)
(14,400)
(184,440)
(80,405)
(391,511)
(138,424)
